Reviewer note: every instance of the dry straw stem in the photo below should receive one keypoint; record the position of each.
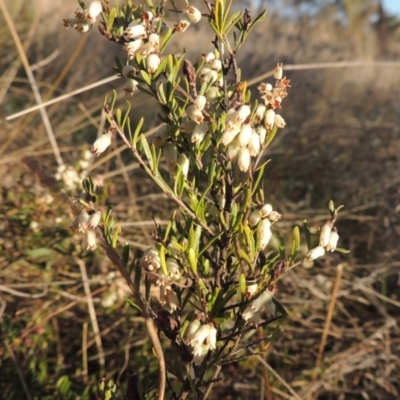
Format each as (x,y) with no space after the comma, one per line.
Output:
(32,81)
(92,314)
(328,320)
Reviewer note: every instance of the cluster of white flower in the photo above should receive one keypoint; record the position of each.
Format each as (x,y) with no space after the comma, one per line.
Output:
(262,304)
(84,19)
(86,222)
(202,337)
(263,217)
(151,263)
(327,241)
(72,177)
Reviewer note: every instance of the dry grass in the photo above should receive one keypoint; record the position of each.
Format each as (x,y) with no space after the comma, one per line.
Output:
(342,338)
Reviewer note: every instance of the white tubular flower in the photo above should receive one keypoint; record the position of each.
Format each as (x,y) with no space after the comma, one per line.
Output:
(232,150)
(183,161)
(152,63)
(314,253)
(262,301)
(251,316)
(150,260)
(243,112)
(181,26)
(210,76)
(216,64)
(212,94)
(132,47)
(254,145)
(266,209)
(136,31)
(194,114)
(168,296)
(91,240)
(146,49)
(194,15)
(325,234)
(278,72)
(264,232)
(191,330)
(263,134)
(269,121)
(130,87)
(254,218)
(204,71)
(80,223)
(199,354)
(201,335)
(230,133)
(212,338)
(128,71)
(161,137)
(244,159)
(171,153)
(200,102)
(244,135)
(274,216)
(95,9)
(279,121)
(173,268)
(188,126)
(333,239)
(209,57)
(260,113)
(94,219)
(101,144)
(251,289)
(154,40)
(199,133)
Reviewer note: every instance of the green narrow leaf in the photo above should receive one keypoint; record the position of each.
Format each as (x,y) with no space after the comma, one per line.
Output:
(244,256)
(111,18)
(210,243)
(295,244)
(344,251)
(282,248)
(242,283)
(307,234)
(271,135)
(118,116)
(331,206)
(116,236)
(146,149)
(146,77)
(260,171)
(126,116)
(162,259)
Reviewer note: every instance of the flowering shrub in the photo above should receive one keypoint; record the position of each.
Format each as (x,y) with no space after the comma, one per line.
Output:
(214,264)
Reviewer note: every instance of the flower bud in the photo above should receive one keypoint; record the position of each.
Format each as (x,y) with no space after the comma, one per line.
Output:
(183,161)
(194,15)
(173,269)
(135,31)
(314,253)
(209,57)
(154,40)
(187,126)
(333,239)
(266,209)
(251,289)
(278,72)
(94,219)
(264,232)
(170,153)
(199,133)
(244,135)
(243,112)
(82,27)
(132,47)
(212,94)
(269,120)
(200,102)
(210,76)
(274,216)
(152,63)
(130,87)
(244,159)
(95,9)
(254,218)
(150,260)
(279,121)
(254,145)
(216,64)
(101,144)
(194,114)
(259,114)
(325,234)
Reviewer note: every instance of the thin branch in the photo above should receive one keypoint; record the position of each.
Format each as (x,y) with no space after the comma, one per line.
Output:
(212,381)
